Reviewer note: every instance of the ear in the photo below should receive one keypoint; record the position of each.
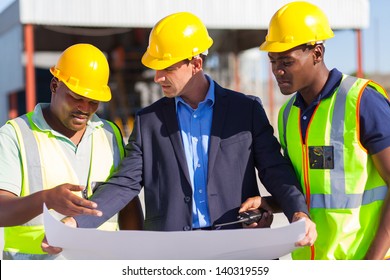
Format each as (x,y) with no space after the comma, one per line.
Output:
(198,63)
(53,85)
(318,53)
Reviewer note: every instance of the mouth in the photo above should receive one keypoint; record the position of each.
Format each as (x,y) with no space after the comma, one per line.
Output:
(164,87)
(283,83)
(80,117)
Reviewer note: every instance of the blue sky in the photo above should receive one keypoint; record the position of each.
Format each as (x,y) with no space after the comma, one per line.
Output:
(341,50)
(4,4)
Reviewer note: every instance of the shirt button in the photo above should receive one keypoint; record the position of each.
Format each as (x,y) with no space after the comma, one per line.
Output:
(187,199)
(200,191)
(186,228)
(304,118)
(195,116)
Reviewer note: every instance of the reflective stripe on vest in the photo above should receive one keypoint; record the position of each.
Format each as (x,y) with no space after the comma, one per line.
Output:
(106,153)
(344,201)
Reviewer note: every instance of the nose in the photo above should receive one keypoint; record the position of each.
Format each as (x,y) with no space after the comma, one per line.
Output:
(84,106)
(277,70)
(159,76)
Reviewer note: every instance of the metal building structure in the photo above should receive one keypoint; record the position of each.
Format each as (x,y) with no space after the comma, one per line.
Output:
(29,29)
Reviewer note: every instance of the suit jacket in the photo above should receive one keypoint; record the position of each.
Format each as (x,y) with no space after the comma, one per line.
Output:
(241,141)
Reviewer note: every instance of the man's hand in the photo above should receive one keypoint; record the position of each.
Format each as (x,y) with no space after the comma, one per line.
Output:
(49,249)
(310,227)
(255,203)
(63,200)
(56,250)
(310,230)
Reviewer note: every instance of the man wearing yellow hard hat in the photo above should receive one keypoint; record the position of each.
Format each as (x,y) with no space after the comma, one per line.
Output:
(56,153)
(334,129)
(195,151)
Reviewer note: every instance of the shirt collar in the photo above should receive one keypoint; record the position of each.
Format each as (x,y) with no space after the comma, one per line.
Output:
(210,96)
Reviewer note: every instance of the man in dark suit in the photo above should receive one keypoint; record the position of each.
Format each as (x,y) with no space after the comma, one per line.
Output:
(196,150)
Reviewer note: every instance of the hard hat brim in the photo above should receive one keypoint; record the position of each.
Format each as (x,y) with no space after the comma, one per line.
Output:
(157,64)
(277,47)
(104,95)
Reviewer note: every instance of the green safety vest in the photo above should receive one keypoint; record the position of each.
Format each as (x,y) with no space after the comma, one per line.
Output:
(44,165)
(343,189)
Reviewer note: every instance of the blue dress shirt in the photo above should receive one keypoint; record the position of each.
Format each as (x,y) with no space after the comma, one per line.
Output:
(195,126)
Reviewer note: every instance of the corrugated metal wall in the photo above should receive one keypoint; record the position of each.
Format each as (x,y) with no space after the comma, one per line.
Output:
(234,14)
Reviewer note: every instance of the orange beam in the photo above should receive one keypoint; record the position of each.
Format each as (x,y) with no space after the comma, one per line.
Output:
(13,105)
(359,72)
(30,69)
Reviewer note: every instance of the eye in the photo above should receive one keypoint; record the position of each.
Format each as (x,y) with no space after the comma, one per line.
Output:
(287,63)
(93,103)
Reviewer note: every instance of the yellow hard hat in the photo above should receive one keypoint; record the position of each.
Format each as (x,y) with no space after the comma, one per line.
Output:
(84,69)
(294,24)
(174,38)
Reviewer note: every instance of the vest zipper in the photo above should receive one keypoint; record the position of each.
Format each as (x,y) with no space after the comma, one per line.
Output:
(306,174)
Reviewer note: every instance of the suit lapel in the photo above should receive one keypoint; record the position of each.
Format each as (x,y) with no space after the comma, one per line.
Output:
(171,122)
(219,116)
